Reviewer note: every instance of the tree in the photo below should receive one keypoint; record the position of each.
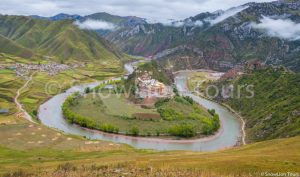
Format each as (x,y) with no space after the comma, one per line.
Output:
(183,130)
(175,90)
(135,131)
(87,90)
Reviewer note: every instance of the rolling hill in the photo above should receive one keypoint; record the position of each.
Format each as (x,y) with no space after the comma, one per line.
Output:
(10,47)
(59,39)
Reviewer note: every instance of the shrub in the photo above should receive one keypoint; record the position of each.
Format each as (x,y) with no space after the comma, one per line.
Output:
(210,125)
(161,102)
(181,100)
(87,90)
(34,112)
(175,90)
(157,133)
(189,99)
(212,111)
(134,131)
(183,130)
(170,114)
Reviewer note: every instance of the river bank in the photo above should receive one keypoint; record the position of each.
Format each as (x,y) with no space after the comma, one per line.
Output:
(242,120)
(50,114)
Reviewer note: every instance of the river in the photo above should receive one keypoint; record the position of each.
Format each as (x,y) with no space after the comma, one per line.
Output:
(50,114)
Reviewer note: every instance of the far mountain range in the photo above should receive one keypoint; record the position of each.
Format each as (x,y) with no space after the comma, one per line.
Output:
(219,40)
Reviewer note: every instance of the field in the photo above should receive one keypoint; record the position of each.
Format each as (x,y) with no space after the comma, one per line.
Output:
(122,107)
(9,85)
(196,79)
(43,86)
(125,116)
(74,156)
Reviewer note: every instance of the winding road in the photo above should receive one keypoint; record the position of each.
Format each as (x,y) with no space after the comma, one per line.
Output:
(22,112)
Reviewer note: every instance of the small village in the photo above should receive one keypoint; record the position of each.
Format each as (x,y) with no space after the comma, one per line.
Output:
(149,87)
(23,70)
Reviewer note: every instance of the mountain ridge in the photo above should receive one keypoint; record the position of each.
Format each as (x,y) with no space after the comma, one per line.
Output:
(229,41)
(61,39)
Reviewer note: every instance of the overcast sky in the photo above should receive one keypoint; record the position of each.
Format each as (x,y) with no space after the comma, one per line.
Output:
(151,9)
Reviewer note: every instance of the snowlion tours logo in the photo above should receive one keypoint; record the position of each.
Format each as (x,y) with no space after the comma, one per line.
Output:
(213,91)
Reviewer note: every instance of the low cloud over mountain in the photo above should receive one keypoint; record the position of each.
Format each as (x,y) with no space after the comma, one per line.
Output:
(227,14)
(282,28)
(95,25)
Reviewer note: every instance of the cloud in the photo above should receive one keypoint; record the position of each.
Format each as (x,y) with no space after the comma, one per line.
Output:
(282,28)
(158,10)
(174,23)
(199,23)
(228,13)
(95,25)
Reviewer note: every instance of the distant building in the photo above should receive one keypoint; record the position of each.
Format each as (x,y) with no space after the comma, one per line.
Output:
(148,87)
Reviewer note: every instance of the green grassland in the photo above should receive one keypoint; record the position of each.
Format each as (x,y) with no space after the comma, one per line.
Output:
(197,80)
(79,157)
(9,85)
(125,117)
(27,37)
(118,105)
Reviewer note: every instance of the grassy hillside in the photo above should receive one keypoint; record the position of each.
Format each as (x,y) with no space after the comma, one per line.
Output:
(60,39)
(274,111)
(90,158)
(10,47)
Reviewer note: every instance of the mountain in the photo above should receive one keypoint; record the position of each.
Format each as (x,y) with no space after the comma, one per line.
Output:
(274,110)
(218,40)
(61,16)
(128,21)
(60,39)
(10,47)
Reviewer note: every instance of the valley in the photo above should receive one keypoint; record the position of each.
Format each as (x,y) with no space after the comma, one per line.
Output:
(96,94)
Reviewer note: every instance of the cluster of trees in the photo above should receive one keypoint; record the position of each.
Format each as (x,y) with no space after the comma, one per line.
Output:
(170,114)
(183,130)
(134,131)
(75,118)
(184,100)
(211,125)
